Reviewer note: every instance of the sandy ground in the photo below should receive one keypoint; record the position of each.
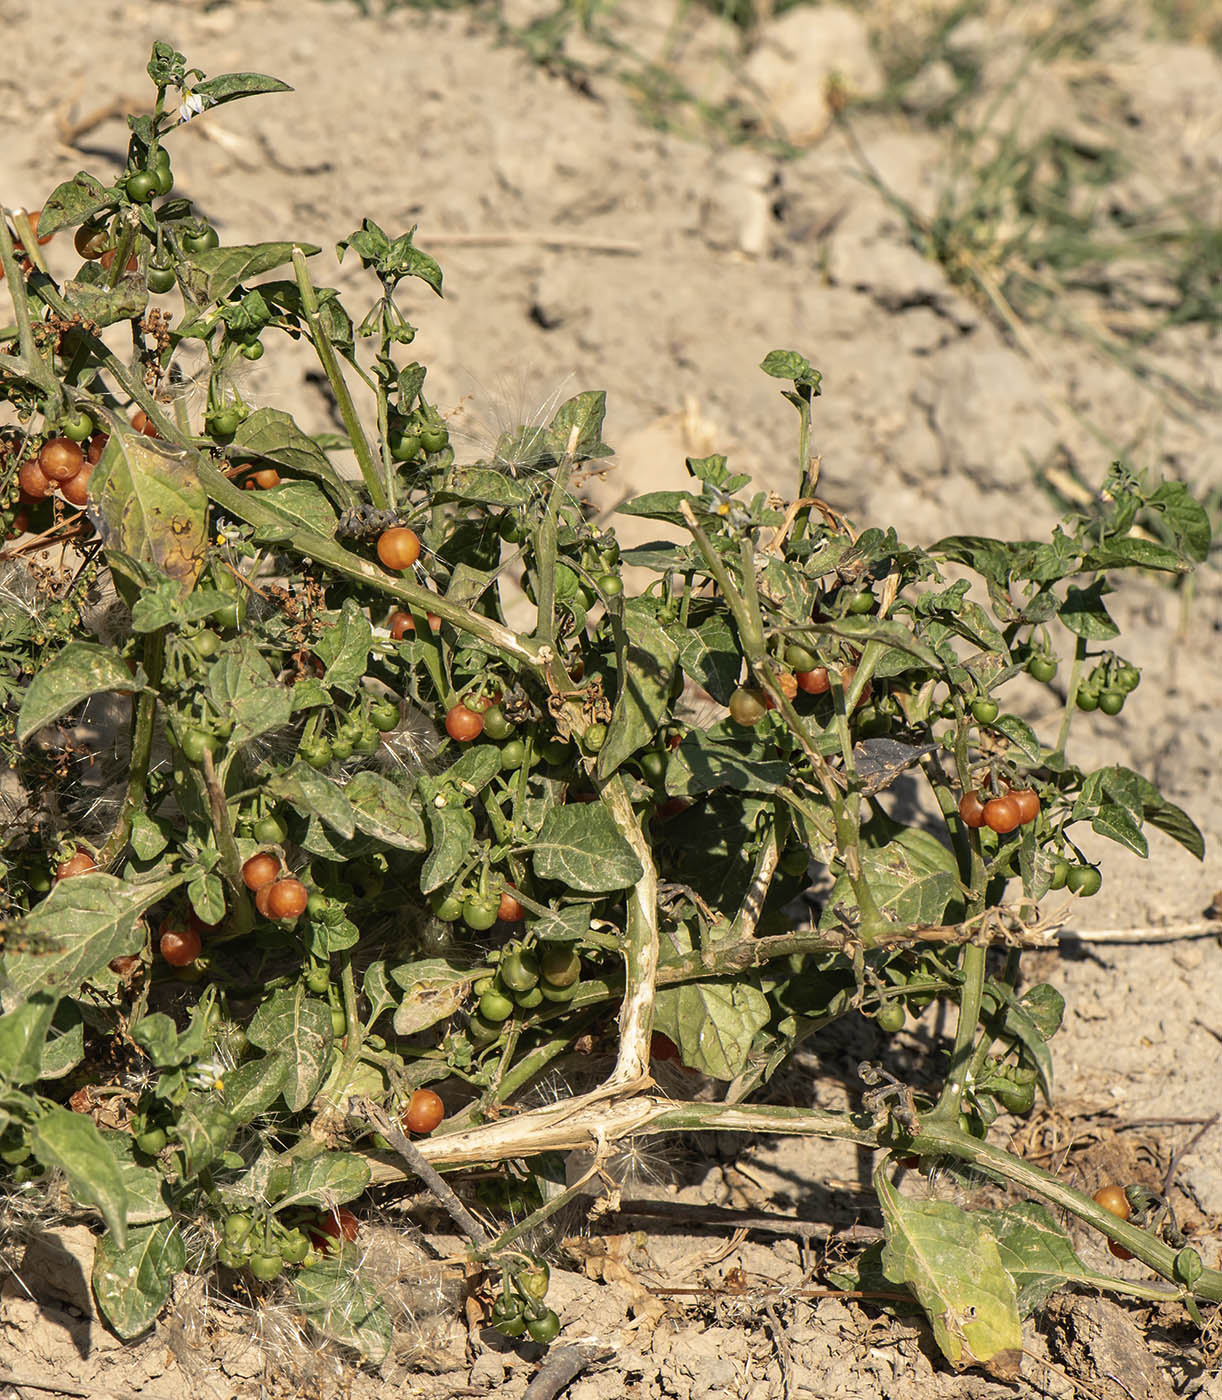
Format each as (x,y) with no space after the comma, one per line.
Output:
(583,248)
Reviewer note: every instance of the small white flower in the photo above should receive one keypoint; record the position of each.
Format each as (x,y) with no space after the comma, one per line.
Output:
(193,103)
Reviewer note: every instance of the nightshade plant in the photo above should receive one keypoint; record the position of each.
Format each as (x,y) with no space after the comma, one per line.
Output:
(306,846)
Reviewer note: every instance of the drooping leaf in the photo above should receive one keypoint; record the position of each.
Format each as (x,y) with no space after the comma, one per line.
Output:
(384,811)
(272,434)
(70,1142)
(146,501)
(1035,1252)
(344,1307)
(308,791)
(211,276)
(581,846)
(645,671)
(290,1017)
(243,689)
(435,989)
(79,670)
(73,202)
(951,1261)
(253,1086)
(78,928)
(132,1282)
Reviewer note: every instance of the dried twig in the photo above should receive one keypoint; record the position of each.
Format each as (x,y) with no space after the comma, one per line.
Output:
(398,1139)
(563,1365)
(781,1342)
(1169,933)
(1182,1152)
(544,237)
(721,1217)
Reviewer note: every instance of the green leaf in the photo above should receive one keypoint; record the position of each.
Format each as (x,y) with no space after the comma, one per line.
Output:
(709,654)
(73,202)
(660,556)
(913,877)
(1035,1252)
(80,670)
(657,505)
(204,1130)
(300,503)
(243,689)
(788,364)
(307,790)
(647,660)
(579,421)
(344,647)
(132,1283)
(230,86)
(325,1179)
(252,1087)
(103,304)
(23,1034)
(886,631)
(148,503)
(566,925)
(952,1263)
(148,836)
(701,764)
(1084,614)
(581,846)
(157,1035)
(272,435)
(1021,735)
(488,486)
(384,811)
(714,1024)
(1130,553)
(1182,516)
(78,928)
(290,1017)
(377,990)
(1116,824)
(1173,821)
(451,836)
(473,770)
(146,1200)
(211,276)
(64,1047)
(344,1307)
(207,896)
(435,988)
(70,1142)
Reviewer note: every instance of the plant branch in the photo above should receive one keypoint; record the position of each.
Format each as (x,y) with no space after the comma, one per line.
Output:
(335,377)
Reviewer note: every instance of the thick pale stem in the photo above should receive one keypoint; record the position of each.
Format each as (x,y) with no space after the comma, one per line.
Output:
(640,947)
